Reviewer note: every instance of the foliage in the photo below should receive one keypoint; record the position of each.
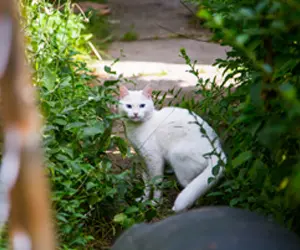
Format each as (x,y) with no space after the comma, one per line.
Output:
(97,25)
(258,115)
(78,123)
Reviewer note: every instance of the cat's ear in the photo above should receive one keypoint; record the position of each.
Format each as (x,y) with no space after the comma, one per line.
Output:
(123,91)
(147,91)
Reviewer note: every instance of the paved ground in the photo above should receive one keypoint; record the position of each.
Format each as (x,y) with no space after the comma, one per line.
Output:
(154,56)
(167,50)
(152,19)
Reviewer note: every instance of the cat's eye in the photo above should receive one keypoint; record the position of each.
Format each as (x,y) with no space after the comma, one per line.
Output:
(128,106)
(142,105)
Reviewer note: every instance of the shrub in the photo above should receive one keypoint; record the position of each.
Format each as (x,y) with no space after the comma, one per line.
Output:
(258,114)
(78,123)
(257,117)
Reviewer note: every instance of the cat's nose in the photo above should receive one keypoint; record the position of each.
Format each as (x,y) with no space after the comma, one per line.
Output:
(135,114)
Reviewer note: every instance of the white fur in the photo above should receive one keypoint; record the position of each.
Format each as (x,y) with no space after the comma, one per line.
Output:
(171,135)
(11,157)
(9,170)
(21,241)
(5,41)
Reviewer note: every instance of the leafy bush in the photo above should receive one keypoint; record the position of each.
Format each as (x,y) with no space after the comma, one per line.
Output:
(258,115)
(78,124)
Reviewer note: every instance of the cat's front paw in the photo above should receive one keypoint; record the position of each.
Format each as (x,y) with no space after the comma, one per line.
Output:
(142,198)
(156,202)
(139,199)
(152,202)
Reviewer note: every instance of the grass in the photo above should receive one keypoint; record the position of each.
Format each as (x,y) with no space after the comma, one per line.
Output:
(130,36)
(161,73)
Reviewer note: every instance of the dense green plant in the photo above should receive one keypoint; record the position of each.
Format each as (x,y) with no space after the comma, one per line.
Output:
(258,115)
(78,123)
(97,25)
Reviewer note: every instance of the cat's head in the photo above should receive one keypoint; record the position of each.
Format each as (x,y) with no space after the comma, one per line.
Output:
(136,105)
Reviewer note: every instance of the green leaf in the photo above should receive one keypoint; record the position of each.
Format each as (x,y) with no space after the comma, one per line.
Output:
(122,145)
(111,192)
(68,151)
(218,19)
(120,218)
(203,13)
(234,202)
(107,69)
(251,199)
(74,125)
(94,199)
(62,158)
(90,185)
(278,24)
(247,12)
(131,210)
(241,158)
(49,79)
(215,194)
(242,39)
(216,170)
(288,91)
(210,179)
(61,218)
(109,83)
(60,121)
(94,130)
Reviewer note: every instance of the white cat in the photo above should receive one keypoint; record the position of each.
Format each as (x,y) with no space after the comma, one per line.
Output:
(171,135)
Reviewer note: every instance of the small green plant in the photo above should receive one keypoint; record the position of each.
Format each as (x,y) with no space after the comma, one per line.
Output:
(257,118)
(130,36)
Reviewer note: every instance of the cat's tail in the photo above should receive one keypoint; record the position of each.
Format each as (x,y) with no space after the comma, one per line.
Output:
(198,186)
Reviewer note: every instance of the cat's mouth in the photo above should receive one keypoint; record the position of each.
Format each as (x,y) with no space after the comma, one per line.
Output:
(135,118)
